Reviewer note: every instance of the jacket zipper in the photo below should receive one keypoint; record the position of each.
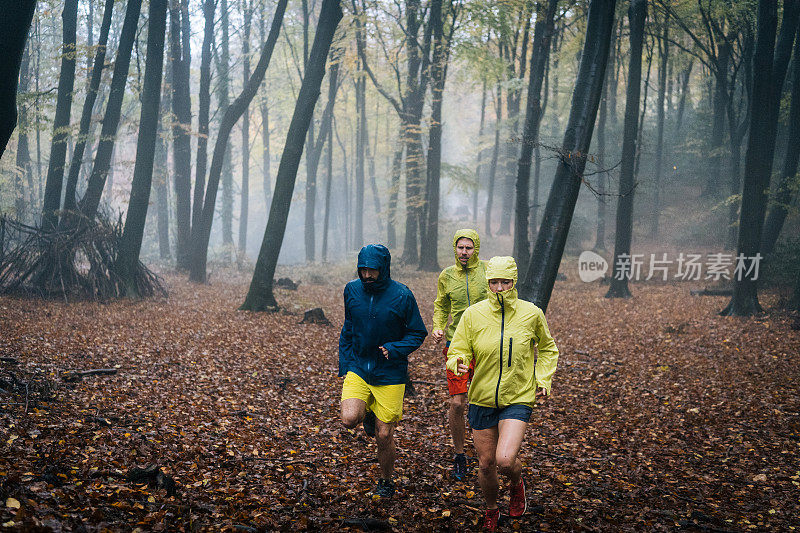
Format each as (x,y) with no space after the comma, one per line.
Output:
(502,328)
(466,272)
(510,346)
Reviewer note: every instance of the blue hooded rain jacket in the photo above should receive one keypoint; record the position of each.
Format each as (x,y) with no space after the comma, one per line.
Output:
(381,313)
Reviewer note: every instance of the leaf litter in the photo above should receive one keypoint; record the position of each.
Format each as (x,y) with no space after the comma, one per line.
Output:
(664,416)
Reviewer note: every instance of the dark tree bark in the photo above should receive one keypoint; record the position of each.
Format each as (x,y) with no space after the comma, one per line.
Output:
(663,47)
(493,162)
(737,132)
(430,228)
(162,190)
(361,145)
(543,32)
(685,75)
(784,192)
(61,121)
(313,155)
(102,161)
(637,13)
(332,81)
(223,90)
(394,192)
(602,127)
(14,26)
(23,159)
(180,59)
(204,110)
(479,162)
(201,232)
(538,281)
(757,166)
(70,198)
(264,105)
(371,169)
(131,243)
(259,296)
(247,13)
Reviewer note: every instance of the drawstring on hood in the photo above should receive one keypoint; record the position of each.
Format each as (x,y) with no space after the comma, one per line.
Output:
(375,256)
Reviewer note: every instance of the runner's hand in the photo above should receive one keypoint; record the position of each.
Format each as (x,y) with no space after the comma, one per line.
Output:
(384,351)
(437,335)
(541,392)
(461,367)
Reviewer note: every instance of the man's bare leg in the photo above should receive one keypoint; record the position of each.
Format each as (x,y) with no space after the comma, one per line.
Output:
(352,412)
(458,404)
(384,436)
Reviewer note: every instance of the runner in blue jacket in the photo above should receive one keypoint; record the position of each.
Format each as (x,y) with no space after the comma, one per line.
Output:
(382,326)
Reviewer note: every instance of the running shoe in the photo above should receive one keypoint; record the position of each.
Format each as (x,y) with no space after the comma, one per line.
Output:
(459,467)
(385,488)
(369,424)
(518,503)
(490,519)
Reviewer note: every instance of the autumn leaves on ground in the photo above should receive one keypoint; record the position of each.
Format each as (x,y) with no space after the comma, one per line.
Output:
(664,416)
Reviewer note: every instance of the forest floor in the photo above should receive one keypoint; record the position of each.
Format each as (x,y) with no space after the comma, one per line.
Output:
(663,416)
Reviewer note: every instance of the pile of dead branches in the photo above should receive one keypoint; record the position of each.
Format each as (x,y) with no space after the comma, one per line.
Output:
(74,262)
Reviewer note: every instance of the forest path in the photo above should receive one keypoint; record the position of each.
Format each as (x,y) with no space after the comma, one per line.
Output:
(663,415)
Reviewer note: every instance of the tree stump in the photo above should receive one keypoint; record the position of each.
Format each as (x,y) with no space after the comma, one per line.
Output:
(315,316)
(286,283)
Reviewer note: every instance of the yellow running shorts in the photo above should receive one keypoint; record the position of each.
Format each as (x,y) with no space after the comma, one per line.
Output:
(386,401)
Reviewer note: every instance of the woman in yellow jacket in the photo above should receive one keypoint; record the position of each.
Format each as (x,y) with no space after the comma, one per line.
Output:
(501,332)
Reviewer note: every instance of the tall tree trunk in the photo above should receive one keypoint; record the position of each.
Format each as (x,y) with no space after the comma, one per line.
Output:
(108,134)
(70,198)
(265,156)
(131,243)
(247,13)
(61,122)
(180,59)
(757,167)
(23,159)
(371,169)
(493,163)
(712,183)
(685,75)
(622,267)
(538,281)
(223,68)
(14,26)
(394,192)
(543,32)
(361,142)
(328,165)
(428,260)
(479,162)
(313,155)
(260,296)
(201,232)
(602,126)
(162,189)
(662,91)
(785,190)
(204,110)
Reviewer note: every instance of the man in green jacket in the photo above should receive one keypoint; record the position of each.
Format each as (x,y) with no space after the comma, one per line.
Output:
(460,285)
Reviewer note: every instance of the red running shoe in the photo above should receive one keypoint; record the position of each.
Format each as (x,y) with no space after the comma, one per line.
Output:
(490,519)
(518,503)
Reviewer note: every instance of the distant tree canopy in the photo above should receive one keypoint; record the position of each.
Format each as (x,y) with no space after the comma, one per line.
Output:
(442,113)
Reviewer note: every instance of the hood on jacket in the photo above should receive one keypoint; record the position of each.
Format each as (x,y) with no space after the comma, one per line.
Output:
(503,267)
(476,240)
(375,256)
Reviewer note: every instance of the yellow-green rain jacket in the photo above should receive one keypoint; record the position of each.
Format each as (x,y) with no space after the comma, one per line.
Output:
(501,332)
(459,286)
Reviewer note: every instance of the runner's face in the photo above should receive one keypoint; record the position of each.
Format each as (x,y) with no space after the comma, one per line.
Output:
(368,275)
(464,249)
(497,285)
